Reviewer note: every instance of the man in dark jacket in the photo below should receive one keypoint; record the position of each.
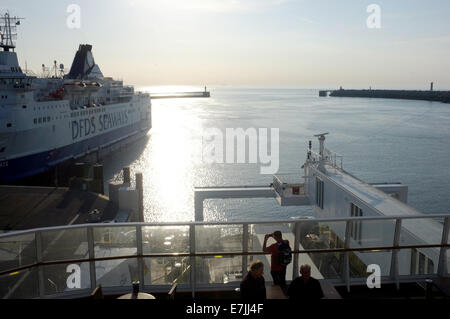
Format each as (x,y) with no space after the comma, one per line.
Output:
(253,285)
(305,286)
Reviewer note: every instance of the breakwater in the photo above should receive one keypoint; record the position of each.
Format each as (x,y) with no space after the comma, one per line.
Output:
(438,96)
(179,95)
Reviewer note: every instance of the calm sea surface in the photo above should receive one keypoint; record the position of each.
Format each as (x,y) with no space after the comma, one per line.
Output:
(382,140)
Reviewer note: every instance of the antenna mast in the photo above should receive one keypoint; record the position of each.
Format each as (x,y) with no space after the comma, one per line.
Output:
(8,31)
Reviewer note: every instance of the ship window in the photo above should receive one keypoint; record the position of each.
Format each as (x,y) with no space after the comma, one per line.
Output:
(40,120)
(48,118)
(44,120)
(24,106)
(2,149)
(8,125)
(420,264)
(319,192)
(355,231)
(35,121)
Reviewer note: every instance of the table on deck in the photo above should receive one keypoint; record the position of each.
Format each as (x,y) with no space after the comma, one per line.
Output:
(140,295)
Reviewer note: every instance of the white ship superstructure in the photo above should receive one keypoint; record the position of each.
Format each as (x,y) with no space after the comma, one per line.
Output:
(47,120)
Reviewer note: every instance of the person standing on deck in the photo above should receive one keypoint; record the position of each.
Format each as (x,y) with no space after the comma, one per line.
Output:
(277,271)
(305,287)
(253,285)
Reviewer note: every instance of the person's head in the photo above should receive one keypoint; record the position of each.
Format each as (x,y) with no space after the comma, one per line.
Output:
(277,235)
(257,268)
(305,271)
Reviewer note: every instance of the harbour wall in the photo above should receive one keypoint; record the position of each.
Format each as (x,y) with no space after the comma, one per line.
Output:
(437,96)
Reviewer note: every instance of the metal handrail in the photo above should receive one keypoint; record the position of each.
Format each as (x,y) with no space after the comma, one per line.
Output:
(211,254)
(186,224)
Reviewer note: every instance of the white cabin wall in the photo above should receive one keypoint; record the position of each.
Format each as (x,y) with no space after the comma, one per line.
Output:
(336,203)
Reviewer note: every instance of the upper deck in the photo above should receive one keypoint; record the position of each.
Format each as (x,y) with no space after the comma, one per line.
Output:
(356,225)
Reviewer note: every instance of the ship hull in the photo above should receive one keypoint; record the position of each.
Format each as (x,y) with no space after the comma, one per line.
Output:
(22,167)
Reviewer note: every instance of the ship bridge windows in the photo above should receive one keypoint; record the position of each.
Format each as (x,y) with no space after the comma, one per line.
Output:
(319,192)
(420,264)
(355,231)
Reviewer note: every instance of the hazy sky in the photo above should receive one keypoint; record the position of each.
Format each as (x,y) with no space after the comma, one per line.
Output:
(292,43)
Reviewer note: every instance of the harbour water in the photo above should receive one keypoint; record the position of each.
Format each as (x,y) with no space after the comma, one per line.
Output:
(382,140)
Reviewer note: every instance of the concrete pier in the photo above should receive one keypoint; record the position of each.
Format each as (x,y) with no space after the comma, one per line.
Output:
(431,95)
(175,95)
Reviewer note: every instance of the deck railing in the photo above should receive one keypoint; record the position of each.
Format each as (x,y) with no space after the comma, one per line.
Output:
(331,157)
(72,260)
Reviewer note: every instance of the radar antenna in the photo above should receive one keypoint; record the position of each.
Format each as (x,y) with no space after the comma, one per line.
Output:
(321,142)
(8,31)
(323,134)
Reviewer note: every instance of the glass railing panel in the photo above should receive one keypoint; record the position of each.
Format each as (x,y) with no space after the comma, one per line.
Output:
(117,272)
(372,233)
(218,238)
(167,271)
(64,244)
(165,239)
(423,231)
(114,241)
(258,231)
(218,269)
(266,260)
(324,265)
(418,261)
(359,261)
(315,235)
(20,285)
(17,251)
(63,278)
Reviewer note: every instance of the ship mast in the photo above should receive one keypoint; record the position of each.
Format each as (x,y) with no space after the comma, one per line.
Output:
(8,31)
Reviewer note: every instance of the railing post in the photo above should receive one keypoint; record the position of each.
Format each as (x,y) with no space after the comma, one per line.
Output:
(244,249)
(198,206)
(140,260)
(92,275)
(442,266)
(39,259)
(192,258)
(348,226)
(296,247)
(394,257)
